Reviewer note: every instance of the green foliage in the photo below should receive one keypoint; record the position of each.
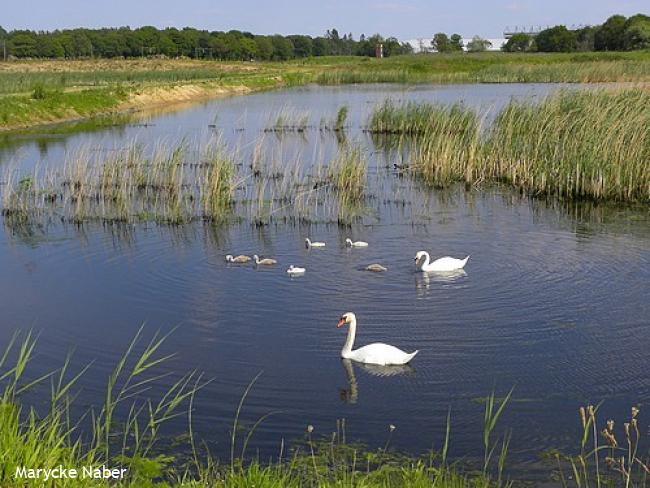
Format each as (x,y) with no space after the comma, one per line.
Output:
(519,42)
(441,43)
(556,39)
(477,45)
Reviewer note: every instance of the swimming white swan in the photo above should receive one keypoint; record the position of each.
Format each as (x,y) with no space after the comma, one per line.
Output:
(294,270)
(442,264)
(309,244)
(377,353)
(238,259)
(376,268)
(350,243)
(265,261)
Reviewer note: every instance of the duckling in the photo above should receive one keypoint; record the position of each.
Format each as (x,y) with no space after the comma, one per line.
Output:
(350,243)
(265,261)
(294,270)
(241,259)
(309,243)
(376,268)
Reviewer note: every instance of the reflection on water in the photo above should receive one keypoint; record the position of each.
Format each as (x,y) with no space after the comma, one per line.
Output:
(553,301)
(351,393)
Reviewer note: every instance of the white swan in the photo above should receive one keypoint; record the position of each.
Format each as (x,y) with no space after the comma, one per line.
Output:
(238,259)
(442,264)
(377,353)
(294,270)
(309,244)
(350,243)
(265,261)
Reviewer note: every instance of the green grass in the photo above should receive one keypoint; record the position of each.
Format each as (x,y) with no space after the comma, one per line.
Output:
(55,105)
(484,68)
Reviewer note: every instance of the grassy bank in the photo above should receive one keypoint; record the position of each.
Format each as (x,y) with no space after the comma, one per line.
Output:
(41,92)
(68,90)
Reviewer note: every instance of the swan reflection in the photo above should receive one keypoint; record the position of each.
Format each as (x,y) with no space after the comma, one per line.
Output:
(351,393)
(424,279)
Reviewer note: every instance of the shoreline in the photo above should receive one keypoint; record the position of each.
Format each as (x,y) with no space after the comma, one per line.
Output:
(38,93)
(140,100)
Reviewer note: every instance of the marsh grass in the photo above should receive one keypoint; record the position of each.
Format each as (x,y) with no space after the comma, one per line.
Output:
(442,142)
(576,144)
(166,185)
(289,120)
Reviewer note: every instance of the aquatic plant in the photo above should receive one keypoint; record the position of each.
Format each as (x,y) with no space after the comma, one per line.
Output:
(347,171)
(289,120)
(576,144)
(127,185)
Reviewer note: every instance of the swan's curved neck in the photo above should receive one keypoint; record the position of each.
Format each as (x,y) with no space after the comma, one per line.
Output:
(349,342)
(426,259)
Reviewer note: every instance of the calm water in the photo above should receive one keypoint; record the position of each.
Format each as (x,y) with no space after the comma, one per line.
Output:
(554,300)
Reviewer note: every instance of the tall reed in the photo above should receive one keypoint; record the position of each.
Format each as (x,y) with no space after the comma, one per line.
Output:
(576,144)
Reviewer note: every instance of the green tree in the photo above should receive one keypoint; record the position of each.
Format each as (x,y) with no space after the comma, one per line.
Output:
(609,36)
(47,46)
(264,48)
(478,44)
(302,45)
(23,44)
(456,42)
(441,43)
(586,39)
(248,48)
(320,47)
(282,48)
(519,42)
(637,33)
(556,39)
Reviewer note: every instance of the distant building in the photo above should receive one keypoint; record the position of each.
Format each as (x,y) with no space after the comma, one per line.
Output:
(423,44)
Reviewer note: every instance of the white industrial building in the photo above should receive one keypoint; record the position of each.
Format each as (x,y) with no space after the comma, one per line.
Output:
(423,44)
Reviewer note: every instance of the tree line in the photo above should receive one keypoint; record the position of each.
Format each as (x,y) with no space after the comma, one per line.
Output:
(233,45)
(616,34)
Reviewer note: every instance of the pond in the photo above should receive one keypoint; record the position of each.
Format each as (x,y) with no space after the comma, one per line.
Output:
(553,301)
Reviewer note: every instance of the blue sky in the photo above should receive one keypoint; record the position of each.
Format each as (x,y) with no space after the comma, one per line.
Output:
(402,18)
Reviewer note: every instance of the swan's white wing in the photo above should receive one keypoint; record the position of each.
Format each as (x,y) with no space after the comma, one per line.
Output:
(447,264)
(382,354)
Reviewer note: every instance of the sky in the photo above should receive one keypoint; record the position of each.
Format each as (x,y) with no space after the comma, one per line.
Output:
(404,19)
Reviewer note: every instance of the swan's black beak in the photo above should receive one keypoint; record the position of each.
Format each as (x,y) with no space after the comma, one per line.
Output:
(341,323)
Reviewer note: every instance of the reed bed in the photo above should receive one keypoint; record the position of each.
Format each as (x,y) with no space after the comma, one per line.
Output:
(576,144)
(442,141)
(166,185)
